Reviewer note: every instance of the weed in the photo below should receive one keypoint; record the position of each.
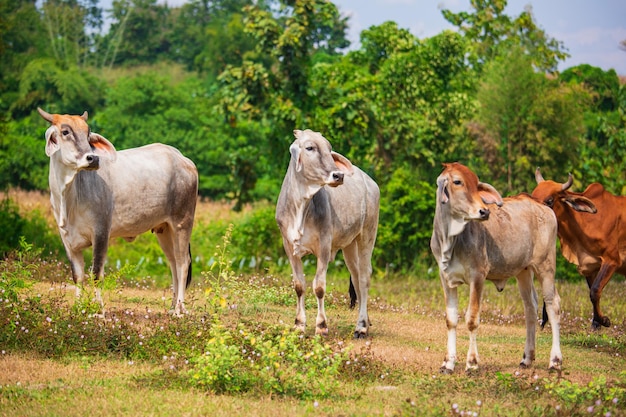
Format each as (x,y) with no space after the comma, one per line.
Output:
(597,398)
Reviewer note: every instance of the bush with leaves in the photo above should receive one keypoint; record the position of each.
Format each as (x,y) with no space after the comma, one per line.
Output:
(274,361)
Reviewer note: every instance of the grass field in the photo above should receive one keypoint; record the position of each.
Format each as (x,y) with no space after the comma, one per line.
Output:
(57,359)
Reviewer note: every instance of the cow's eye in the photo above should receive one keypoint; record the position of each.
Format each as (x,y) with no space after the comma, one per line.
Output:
(457,182)
(65,132)
(549,201)
(309,148)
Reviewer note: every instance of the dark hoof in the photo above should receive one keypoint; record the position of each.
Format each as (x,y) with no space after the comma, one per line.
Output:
(604,321)
(445,370)
(359,335)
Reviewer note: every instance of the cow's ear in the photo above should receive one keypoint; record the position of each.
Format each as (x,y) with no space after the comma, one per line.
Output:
(52,144)
(342,163)
(580,203)
(294,150)
(489,194)
(102,146)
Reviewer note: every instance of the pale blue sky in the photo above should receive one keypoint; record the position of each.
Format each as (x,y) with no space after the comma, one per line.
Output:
(590,30)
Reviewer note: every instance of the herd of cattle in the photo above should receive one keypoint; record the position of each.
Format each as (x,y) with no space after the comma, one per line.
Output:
(327,204)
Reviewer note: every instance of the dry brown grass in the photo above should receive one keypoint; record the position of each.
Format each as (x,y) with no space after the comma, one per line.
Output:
(29,201)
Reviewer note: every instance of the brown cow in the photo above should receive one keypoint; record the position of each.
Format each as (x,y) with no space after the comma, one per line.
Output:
(596,243)
(472,243)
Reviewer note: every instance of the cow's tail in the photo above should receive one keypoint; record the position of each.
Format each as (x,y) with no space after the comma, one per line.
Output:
(544,318)
(189,269)
(352,292)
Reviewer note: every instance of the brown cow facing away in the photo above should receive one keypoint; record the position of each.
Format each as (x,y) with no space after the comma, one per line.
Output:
(594,242)
(472,243)
(326,204)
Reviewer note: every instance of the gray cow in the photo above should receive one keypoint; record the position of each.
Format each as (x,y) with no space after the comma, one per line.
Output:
(98,193)
(327,204)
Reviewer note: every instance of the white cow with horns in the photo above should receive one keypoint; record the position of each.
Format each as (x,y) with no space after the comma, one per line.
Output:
(327,204)
(473,243)
(98,193)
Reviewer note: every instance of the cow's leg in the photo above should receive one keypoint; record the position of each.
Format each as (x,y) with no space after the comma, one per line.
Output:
(529,298)
(100,247)
(299,285)
(553,308)
(360,267)
(175,246)
(452,319)
(595,293)
(77,265)
(319,288)
(472,319)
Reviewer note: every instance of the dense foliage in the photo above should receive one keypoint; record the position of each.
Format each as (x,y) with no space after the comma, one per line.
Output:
(227,81)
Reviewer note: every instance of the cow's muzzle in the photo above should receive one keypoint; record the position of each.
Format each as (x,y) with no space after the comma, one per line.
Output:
(336,179)
(93,162)
(483,214)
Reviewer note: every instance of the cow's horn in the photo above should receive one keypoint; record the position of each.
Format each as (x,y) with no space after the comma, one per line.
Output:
(85,115)
(569,182)
(47,116)
(538,176)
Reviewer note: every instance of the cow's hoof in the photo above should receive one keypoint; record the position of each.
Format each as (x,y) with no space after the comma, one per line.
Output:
(555,365)
(322,331)
(177,313)
(360,334)
(471,369)
(446,371)
(604,321)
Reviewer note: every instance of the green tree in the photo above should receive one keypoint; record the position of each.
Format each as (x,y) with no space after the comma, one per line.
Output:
(292,36)
(21,41)
(23,161)
(72,27)
(490,30)
(139,34)
(208,35)
(603,150)
(525,120)
(58,87)
(604,85)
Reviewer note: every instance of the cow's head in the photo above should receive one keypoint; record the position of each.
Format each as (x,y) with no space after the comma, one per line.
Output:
(316,162)
(555,195)
(70,139)
(463,196)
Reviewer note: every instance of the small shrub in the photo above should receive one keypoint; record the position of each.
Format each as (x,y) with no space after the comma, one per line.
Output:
(257,239)
(275,361)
